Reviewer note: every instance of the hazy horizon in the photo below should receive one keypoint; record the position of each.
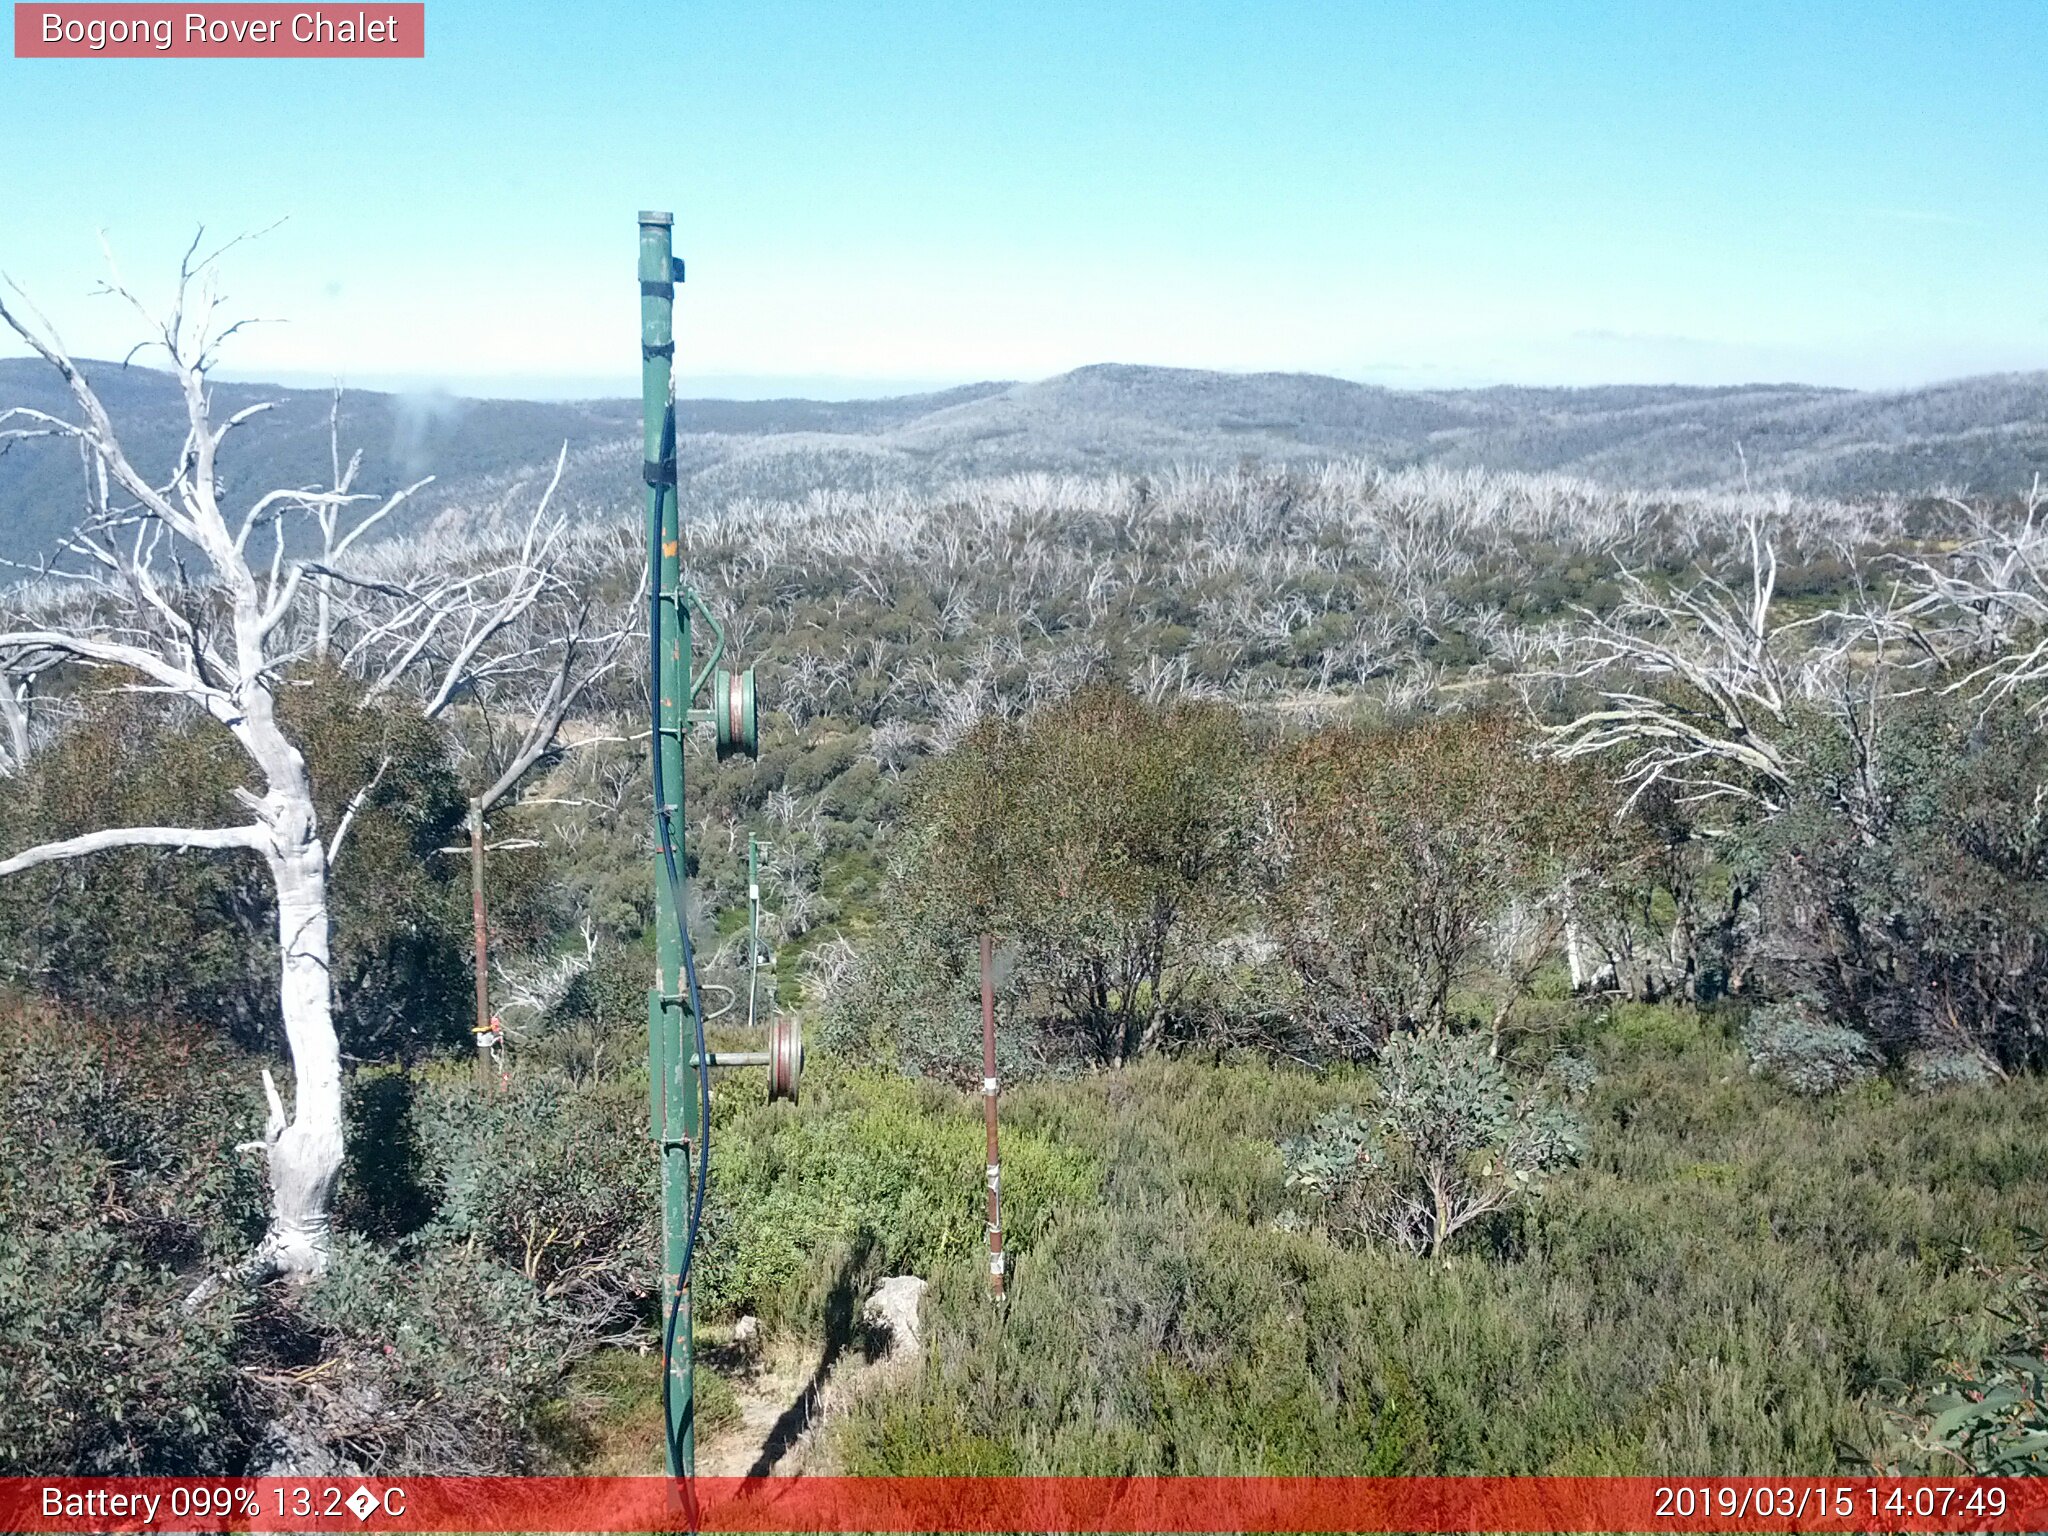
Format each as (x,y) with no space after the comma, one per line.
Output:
(1580,193)
(827,387)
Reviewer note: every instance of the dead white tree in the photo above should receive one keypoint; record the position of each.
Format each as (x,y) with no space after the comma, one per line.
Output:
(212,645)
(19,670)
(538,738)
(336,540)
(1715,729)
(1698,689)
(169,596)
(1981,611)
(503,652)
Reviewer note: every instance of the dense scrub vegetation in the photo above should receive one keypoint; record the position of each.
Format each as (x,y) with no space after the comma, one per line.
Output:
(493,1239)
(1400,1087)
(1729,1280)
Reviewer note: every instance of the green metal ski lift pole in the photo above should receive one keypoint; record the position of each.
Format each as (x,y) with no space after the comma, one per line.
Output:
(676,1092)
(678,1060)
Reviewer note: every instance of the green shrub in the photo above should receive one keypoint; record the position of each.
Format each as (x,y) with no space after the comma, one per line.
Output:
(870,1173)
(554,1180)
(1659,1026)
(444,1362)
(1904,888)
(516,1233)
(911,1001)
(1808,1055)
(609,995)
(1937,1071)
(1387,859)
(1450,1139)
(1989,1417)
(192,935)
(1095,839)
(717,1405)
(119,1190)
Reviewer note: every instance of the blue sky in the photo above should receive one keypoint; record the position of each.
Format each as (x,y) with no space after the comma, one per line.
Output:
(885,195)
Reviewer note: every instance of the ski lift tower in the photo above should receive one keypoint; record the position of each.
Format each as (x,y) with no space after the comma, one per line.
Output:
(679,1095)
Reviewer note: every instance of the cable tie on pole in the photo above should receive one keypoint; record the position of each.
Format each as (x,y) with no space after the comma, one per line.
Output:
(657,349)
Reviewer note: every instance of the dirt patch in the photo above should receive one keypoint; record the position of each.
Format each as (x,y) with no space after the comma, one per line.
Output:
(786,1393)
(781,1392)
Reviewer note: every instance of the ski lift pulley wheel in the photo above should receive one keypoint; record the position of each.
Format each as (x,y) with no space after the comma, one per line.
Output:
(785,1058)
(732,708)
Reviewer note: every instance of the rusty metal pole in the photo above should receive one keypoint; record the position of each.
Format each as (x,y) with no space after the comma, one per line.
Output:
(988,1110)
(483,1031)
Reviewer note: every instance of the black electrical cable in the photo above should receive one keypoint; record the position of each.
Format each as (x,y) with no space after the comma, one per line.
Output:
(666,834)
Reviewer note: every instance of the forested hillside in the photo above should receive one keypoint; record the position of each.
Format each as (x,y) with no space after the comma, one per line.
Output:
(1494,973)
(1980,435)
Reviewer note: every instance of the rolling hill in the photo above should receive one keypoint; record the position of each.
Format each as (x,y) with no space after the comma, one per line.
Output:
(1985,435)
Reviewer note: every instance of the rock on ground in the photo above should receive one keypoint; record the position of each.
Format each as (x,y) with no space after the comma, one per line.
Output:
(893,1308)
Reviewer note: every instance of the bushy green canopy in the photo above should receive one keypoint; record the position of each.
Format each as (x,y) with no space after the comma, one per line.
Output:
(1094,839)
(192,935)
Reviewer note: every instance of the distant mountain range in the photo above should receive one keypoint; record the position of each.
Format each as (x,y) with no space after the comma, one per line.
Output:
(1983,435)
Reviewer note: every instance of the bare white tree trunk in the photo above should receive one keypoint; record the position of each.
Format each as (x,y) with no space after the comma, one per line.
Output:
(14,705)
(306,1153)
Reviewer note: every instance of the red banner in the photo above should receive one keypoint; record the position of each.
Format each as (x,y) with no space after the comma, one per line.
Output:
(1024,1504)
(236,31)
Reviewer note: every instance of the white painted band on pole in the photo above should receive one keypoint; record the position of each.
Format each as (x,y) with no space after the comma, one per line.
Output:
(988,1085)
